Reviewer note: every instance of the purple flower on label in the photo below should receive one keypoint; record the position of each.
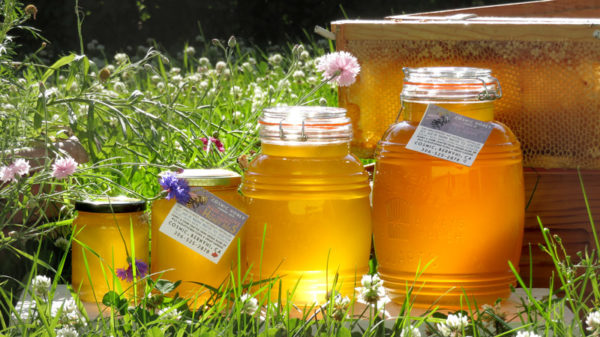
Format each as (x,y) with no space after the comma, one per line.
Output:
(176,188)
(141,269)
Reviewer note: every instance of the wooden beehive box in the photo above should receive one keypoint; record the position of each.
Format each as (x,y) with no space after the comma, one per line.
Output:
(546,55)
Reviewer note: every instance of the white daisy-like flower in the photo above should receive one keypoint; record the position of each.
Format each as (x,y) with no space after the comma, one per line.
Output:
(454,325)
(249,304)
(169,313)
(593,321)
(40,285)
(527,334)
(67,331)
(121,58)
(410,331)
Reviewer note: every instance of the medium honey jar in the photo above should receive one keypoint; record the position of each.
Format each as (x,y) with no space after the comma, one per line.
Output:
(444,229)
(309,225)
(173,260)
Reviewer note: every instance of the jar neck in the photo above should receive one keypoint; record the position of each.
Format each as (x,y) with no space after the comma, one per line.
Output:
(295,149)
(483,111)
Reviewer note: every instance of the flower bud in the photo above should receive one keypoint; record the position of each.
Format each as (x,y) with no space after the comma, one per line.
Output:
(217,43)
(104,74)
(31,10)
(231,42)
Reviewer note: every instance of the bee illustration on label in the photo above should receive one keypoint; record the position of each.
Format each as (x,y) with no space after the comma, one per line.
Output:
(196,200)
(439,122)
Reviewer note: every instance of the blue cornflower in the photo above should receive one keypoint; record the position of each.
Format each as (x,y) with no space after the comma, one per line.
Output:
(176,188)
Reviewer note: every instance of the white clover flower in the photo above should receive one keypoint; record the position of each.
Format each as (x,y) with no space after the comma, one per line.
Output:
(249,304)
(593,322)
(322,101)
(304,55)
(252,60)
(169,313)
(235,91)
(160,86)
(62,243)
(370,281)
(121,58)
(194,78)
(410,331)
(238,115)
(453,326)
(69,314)
(298,75)
(177,78)
(204,62)
(155,78)
(110,68)
(51,92)
(527,334)
(190,50)
(246,66)
(67,331)
(220,67)
(340,307)
(203,85)
(40,285)
(175,71)
(120,87)
(275,59)
(283,84)
(311,80)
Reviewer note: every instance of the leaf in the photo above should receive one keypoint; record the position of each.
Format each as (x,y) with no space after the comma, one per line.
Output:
(343,332)
(61,62)
(166,286)
(111,299)
(38,117)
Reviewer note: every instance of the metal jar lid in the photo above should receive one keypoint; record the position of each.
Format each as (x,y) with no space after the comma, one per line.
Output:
(210,177)
(449,84)
(111,205)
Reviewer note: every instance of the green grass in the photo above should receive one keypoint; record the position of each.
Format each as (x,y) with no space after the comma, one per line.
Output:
(135,116)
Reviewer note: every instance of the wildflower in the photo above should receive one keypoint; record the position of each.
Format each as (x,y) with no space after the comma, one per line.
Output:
(311,80)
(246,66)
(252,61)
(410,331)
(169,313)
(339,66)
(298,75)
(120,87)
(220,66)
(593,322)
(69,313)
(176,188)
(40,285)
(155,79)
(454,325)
(175,71)
(121,58)
(372,292)
(64,167)
(322,101)
(231,42)
(31,10)
(104,74)
(235,91)
(212,140)
(66,331)
(275,59)
(249,304)
(204,62)
(238,115)
(527,334)
(62,243)
(7,173)
(304,55)
(127,274)
(340,307)
(160,86)
(190,50)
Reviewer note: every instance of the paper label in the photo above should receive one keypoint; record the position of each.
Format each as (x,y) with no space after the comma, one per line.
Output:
(449,136)
(207,224)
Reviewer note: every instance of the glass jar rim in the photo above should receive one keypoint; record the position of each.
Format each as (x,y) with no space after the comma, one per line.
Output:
(119,204)
(449,84)
(305,124)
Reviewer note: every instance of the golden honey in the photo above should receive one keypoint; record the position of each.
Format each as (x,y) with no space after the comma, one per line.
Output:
(103,236)
(457,227)
(174,261)
(308,197)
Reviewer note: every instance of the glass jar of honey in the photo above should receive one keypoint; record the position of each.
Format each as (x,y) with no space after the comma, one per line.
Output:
(309,196)
(443,229)
(174,261)
(102,247)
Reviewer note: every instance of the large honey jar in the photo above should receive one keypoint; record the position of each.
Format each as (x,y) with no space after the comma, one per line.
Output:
(111,239)
(443,230)
(173,260)
(308,202)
